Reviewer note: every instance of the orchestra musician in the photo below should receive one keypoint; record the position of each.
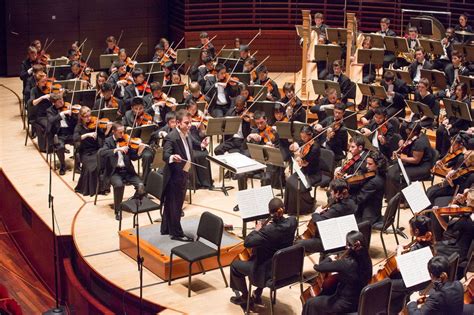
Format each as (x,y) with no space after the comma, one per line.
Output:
(139,88)
(276,233)
(207,45)
(107,100)
(397,91)
(389,57)
(381,132)
(453,70)
(38,104)
(167,67)
(100,78)
(112,47)
(279,114)
(420,63)
(157,135)
(206,71)
(328,102)
(440,62)
(373,103)
(273,94)
(294,106)
(26,68)
(156,104)
(447,297)
(357,162)
(354,270)
(75,71)
(307,154)
(463,26)
(31,82)
(368,70)
(120,78)
(340,78)
(219,84)
(413,43)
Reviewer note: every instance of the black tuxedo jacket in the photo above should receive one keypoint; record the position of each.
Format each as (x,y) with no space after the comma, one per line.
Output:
(412,67)
(111,158)
(174,145)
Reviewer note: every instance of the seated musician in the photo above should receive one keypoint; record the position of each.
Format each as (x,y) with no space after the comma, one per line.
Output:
(107,100)
(75,71)
(206,71)
(244,53)
(440,62)
(397,91)
(72,56)
(368,195)
(159,53)
(294,107)
(200,142)
(380,132)
(339,77)
(26,68)
(274,234)
(31,82)
(389,57)
(100,78)
(447,297)
(463,25)
(120,78)
(335,134)
(279,114)
(136,117)
(420,229)
(161,133)
(219,84)
(273,94)
(136,89)
(88,139)
(118,166)
(413,43)
(123,56)
(195,93)
(318,32)
(417,162)
(368,70)
(354,270)
(327,102)
(357,162)
(453,70)
(112,47)
(420,63)
(167,68)
(155,104)
(340,205)
(61,123)
(38,104)
(245,92)
(373,104)
(264,134)
(307,154)
(249,67)
(451,126)
(206,44)
(170,52)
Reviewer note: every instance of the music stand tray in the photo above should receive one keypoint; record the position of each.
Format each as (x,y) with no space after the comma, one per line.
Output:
(320,87)
(110,113)
(373,90)
(402,75)
(72,85)
(336,35)
(396,44)
(431,46)
(244,77)
(105,61)
(175,90)
(420,109)
(265,106)
(258,89)
(435,77)
(328,53)
(372,56)
(377,40)
(158,76)
(230,53)
(457,109)
(149,66)
(83,97)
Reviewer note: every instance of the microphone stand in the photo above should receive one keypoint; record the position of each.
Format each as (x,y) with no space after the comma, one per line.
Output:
(140,193)
(58,309)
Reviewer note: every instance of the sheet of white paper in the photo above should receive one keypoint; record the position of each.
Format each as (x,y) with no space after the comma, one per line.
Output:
(254,202)
(414,266)
(404,172)
(333,232)
(238,161)
(416,197)
(301,176)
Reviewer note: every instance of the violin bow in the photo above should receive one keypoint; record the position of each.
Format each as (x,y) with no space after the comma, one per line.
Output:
(80,75)
(118,40)
(46,47)
(165,54)
(177,45)
(326,128)
(82,44)
(208,41)
(261,63)
(294,96)
(251,56)
(385,122)
(147,79)
(256,35)
(135,53)
(205,109)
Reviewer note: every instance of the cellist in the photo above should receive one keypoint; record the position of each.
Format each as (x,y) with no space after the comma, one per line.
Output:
(276,233)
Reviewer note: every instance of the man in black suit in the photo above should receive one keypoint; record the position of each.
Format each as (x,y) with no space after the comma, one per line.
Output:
(26,68)
(118,164)
(420,63)
(397,91)
(177,152)
(340,78)
(389,57)
(447,297)
(265,241)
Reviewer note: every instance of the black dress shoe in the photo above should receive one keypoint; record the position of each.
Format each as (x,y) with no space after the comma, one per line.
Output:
(183,238)
(117,216)
(236,208)
(62,171)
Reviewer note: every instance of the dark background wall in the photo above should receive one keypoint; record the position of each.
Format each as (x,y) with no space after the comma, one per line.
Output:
(148,20)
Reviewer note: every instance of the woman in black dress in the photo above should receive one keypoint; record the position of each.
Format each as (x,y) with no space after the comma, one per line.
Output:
(88,141)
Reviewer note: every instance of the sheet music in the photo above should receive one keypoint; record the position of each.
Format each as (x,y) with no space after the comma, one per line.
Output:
(416,197)
(404,172)
(333,232)
(414,266)
(302,177)
(238,161)
(254,202)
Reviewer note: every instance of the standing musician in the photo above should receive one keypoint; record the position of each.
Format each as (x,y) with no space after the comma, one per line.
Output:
(389,57)
(26,68)
(119,169)
(335,136)
(273,94)
(294,107)
(354,271)
(340,78)
(448,296)
(219,84)
(156,104)
(368,196)
(107,100)
(276,233)
(207,45)
(397,91)
(307,154)
(38,104)
(381,132)
(112,47)
(61,122)
(417,161)
(420,63)
(88,139)
(177,154)
(340,205)
(452,125)
(139,88)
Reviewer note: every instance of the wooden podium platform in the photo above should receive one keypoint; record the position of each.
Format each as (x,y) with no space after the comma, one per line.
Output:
(157,259)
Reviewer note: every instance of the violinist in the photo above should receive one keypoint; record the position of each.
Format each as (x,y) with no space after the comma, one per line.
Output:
(447,297)
(31,82)
(335,134)
(249,67)
(37,105)
(397,92)
(279,114)
(156,104)
(112,47)
(88,139)
(374,103)
(120,78)
(75,71)
(72,56)
(340,78)
(357,162)
(354,271)
(294,107)
(273,94)
(123,56)
(159,54)
(61,123)
(380,132)
(274,234)
(340,205)
(327,102)
(245,92)
(206,71)
(161,133)
(167,69)
(420,229)
(195,93)
(244,54)
(417,161)
(107,100)
(169,52)
(307,154)
(37,44)
(369,195)
(118,165)
(26,68)
(140,87)
(219,84)
(207,45)
(100,78)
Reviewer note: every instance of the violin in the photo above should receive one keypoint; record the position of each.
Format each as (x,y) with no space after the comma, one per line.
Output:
(407,144)
(461,172)
(74,108)
(92,124)
(116,49)
(132,143)
(112,103)
(51,87)
(143,88)
(427,238)
(383,130)
(440,168)
(232,81)
(469,291)
(306,148)
(269,85)
(144,119)
(388,268)
(348,165)
(359,178)
(127,77)
(267,134)
(198,119)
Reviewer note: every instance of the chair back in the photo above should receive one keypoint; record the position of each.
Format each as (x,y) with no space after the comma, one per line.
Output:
(366,229)
(211,228)
(391,211)
(453,260)
(326,163)
(154,184)
(434,156)
(158,162)
(375,298)
(287,263)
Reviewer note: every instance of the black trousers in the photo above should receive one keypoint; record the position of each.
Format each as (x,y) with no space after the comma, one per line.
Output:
(118,181)
(63,138)
(312,245)
(174,194)
(328,304)
(442,140)
(147,159)
(238,271)
(230,145)
(291,196)
(203,175)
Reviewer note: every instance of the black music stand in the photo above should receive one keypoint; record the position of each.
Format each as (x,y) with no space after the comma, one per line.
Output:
(336,35)
(269,156)
(175,91)
(457,109)
(424,26)
(142,132)
(221,126)
(370,57)
(402,75)
(230,53)
(327,53)
(420,109)
(232,64)
(290,130)
(72,85)
(320,87)
(436,78)
(469,82)
(370,90)
(431,46)
(377,40)
(264,106)
(158,76)
(83,97)
(61,61)
(149,66)
(188,55)
(258,89)
(244,77)
(396,44)
(105,61)
(110,113)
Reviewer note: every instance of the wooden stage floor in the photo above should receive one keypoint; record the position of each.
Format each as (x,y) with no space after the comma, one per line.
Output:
(94,228)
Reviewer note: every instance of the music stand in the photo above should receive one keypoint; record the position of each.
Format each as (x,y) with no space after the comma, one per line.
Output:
(72,85)
(420,109)
(222,126)
(336,35)
(349,123)
(105,61)
(83,97)
(436,78)
(148,66)
(237,65)
(110,113)
(431,46)
(356,133)
(328,53)
(377,40)
(61,61)
(230,53)
(142,132)
(244,77)
(320,87)
(158,76)
(373,90)
(175,91)
(424,26)
(402,75)
(370,57)
(258,89)
(457,109)
(396,44)
(188,55)
(60,72)
(201,105)
(470,83)
(269,156)
(265,106)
